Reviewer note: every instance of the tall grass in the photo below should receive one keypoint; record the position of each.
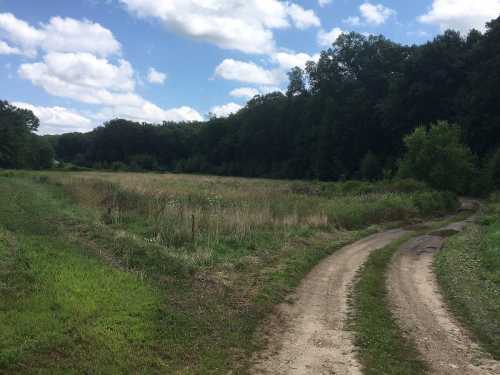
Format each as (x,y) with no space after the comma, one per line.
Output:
(176,211)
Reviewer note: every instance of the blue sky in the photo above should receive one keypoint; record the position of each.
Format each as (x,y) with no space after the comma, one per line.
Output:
(79,63)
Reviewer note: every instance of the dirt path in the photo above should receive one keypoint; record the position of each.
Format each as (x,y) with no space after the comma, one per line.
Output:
(421,312)
(308,336)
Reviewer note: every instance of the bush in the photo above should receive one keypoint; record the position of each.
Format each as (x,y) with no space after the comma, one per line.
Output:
(429,203)
(437,156)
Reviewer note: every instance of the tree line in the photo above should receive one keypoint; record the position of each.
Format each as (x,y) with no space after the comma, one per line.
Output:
(344,116)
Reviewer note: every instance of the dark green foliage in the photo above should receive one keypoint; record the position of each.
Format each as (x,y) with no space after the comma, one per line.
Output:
(19,147)
(437,156)
(370,167)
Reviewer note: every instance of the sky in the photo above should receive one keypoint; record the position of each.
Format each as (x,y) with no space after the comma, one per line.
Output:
(79,63)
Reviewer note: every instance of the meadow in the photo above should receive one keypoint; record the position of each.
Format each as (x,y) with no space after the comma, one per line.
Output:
(155,273)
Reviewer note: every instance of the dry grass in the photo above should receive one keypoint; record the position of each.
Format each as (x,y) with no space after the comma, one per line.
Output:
(183,206)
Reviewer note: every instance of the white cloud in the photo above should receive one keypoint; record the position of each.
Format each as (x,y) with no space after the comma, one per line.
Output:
(323,3)
(57,120)
(82,77)
(248,72)
(154,76)
(288,60)
(59,35)
(149,112)
(244,92)
(226,109)
(269,89)
(76,66)
(376,14)
(327,38)
(461,15)
(5,49)
(70,35)
(303,19)
(353,21)
(88,79)
(246,26)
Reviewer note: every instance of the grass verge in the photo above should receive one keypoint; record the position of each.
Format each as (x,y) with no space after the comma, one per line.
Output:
(62,310)
(469,274)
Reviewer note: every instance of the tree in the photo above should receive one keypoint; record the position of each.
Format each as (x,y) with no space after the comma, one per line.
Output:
(297,85)
(437,156)
(16,128)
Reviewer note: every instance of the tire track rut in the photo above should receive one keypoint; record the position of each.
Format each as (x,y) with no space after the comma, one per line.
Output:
(309,336)
(421,312)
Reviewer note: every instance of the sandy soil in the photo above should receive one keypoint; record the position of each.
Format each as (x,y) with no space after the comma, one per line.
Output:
(421,311)
(307,335)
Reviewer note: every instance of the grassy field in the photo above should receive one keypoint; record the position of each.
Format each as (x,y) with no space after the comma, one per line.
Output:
(146,273)
(469,273)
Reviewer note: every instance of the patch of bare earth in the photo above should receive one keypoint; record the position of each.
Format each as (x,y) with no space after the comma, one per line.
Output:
(414,293)
(309,334)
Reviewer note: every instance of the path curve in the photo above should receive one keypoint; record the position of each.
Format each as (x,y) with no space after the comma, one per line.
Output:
(309,335)
(421,312)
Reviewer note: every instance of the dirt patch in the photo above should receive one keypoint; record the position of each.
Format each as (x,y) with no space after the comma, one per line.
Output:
(308,335)
(415,299)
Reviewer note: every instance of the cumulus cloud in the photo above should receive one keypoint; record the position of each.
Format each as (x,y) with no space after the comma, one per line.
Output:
(461,15)
(323,3)
(303,19)
(149,112)
(226,109)
(288,60)
(59,35)
(82,77)
(246,26)
(244,92)
(88,79)
(57,120)
(248,72)
(327,38)
(5,49)
(154,76)
(76,66)
(353,21)
(376,14)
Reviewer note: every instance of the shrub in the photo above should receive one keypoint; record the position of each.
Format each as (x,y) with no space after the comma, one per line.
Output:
(437,156)
(432,202)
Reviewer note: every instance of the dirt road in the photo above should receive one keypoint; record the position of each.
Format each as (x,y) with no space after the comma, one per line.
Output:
(308,336)
(421,312)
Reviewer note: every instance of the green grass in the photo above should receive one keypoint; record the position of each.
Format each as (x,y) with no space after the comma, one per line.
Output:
(107,265)
(383,348)
(469,273)
(60,309)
